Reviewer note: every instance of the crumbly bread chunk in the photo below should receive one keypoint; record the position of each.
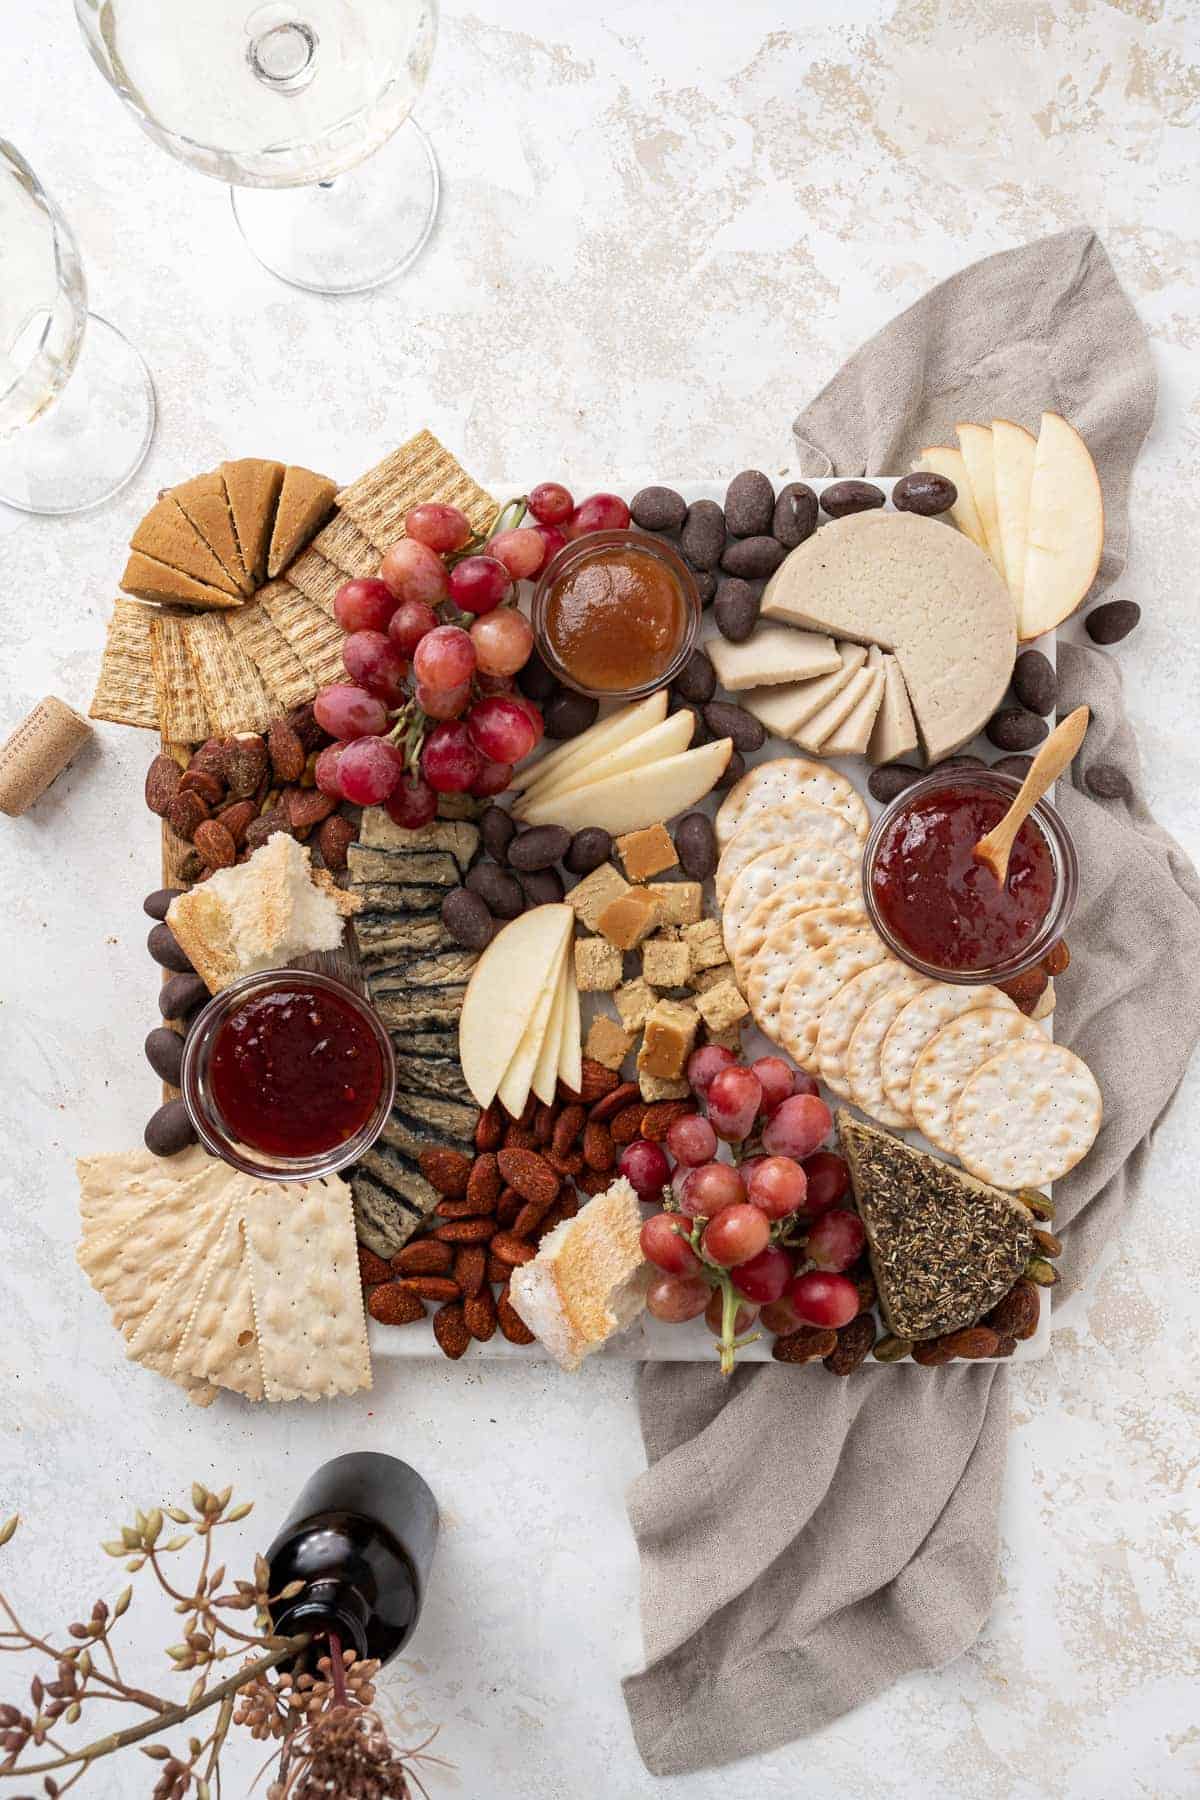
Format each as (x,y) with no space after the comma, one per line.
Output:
(262,914)
(607,1042)
(588,1280)
(722,1005)
(589,897)
(634,1002)
(680,902)
(665,962)
(598,966)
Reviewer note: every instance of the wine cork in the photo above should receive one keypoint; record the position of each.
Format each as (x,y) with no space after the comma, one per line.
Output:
(37,752)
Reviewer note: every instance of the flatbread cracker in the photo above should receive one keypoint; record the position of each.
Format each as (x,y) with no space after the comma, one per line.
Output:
(1028,1115)
(805,895)
(235,695)
(768,784)
(949,1060)
(842,1015)
(307,1296)
(343,545)
(128,1265)
(182,712)
(157,1336)
(259,639)
(313,635)
(772,967)
(220,1343)
(419,470)
(125,688)
(815,979)
(799,819)
(864,1077)
(115,1185)
(769,874)
(925,1014)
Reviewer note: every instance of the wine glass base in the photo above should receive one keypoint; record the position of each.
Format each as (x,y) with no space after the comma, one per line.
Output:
(352,234)
(92,440)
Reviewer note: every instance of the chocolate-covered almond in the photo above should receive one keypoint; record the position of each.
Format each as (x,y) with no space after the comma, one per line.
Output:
(841,498)
(658,509)
(703,536)
(795,515)
(749,504)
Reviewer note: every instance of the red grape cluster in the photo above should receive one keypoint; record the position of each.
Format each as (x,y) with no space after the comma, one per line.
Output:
(431,706)
(766,1232)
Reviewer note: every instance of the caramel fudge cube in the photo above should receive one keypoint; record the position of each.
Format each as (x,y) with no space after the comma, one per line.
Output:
(682,902)
(665,964)
(669,1039)
(635,1003)
(608,1042)
(705,945)
(646,853)
(598,966)
(722,1006)
(654,1087)
(629,919)
(590,896)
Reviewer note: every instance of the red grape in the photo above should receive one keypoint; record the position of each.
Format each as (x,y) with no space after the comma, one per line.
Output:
(828,1181)
(714,1315)
(444,703)
(679,1181)
(777,1185)
(413,572)
(441,528)
(368,771)
(765,1276)
(553,539)
(444,658)
(535,717)
(493,778)
(374,662)
(479,583)
(675,1298)
(828,1301)
(704,1191)
(449,760)
(736,1235)
(325,770)
(364,605)
(599,512)
(779,1317)
(734,1098)
(500,729)
(411,803)
(804,1083)
(775,1080)
(664,1243)
(692,1141)
(502,640)
(410,622)
(798,1127)
(345,711)
(836,1240)
(550,503)
(706,1062)
(645,1167)
(521,551)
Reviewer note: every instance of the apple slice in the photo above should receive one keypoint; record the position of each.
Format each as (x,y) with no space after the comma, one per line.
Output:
(1066,528)
(545,1073)
(1013,451)
(597,740)
(504,991)
(667,739)
(976,441)
(640,797)
(947,460)
(517,1079)
(570,1053)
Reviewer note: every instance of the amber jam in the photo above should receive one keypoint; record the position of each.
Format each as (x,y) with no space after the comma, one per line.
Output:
(616,613)
(944,911)
(296,1070)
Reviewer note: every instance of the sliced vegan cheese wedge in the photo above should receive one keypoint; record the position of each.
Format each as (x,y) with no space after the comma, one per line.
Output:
(1013,450)
(812,735)
(783,710)
(854,733)
(667,739)
(505,989)
(518,1077)
(640,797)
(927,594)
(947,460)
(606,734)
(976,441)
(1066,528)
(895,732)
(774,654)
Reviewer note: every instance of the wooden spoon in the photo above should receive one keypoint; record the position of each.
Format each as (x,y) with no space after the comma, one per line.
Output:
(1054,756)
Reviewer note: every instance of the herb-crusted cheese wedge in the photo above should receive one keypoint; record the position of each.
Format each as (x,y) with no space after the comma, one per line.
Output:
(944,1247)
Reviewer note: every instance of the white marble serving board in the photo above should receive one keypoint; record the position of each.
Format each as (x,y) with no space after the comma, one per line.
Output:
(649,1339)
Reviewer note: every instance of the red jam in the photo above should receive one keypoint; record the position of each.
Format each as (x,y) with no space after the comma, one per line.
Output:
(942,905)
(295,1071)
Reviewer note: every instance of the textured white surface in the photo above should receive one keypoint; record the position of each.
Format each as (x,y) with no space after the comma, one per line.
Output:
(663,228)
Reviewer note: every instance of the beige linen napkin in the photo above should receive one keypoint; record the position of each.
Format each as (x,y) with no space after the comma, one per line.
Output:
(806,1540)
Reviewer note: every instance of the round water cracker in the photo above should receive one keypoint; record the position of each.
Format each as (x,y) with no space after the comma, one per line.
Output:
(949,1060)
(777,869)
(815,979)
(864,1078)
(805,895)
(925,1015)
(800,819)
(768,784)
(772,967)
(840,1017)
(1027,1115)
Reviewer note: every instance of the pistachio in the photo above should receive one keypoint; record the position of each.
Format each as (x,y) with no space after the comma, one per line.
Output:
(891,1349)
(1039,1270)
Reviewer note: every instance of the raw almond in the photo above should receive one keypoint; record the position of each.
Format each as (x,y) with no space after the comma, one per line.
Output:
(215,844)
(591,1183)
(425,1256)
(286,752)
(333,841)
(460,1209)
(446,1171)
(394,1304)
(307,807)
(529,1173)
(184,813)
(450,1330)
(479,1312)
(162,784)
(496,1270)
(199,781)
(512,1325)
(237,818)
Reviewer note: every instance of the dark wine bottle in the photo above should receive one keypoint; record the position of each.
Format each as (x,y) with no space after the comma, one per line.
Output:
(361,1538)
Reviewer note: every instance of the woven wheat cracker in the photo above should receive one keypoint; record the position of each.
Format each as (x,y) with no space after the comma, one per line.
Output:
(314,637)
(220,1342)
(949,1060)
(841,1016)
(772,967)
(1027,1115)
(805,895)
(920,1020)
(769,874)
(126,693)
(259,639)
(767,785)
(235,694)
(799,820)
(418,470)
(183,715)
(864,1076)
(316,577)
(814,980)
(308,1302)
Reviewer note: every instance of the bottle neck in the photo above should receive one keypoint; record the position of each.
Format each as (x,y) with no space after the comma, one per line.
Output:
(326,1605)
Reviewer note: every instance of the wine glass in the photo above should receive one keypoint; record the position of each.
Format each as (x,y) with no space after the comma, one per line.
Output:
(303,107)
(76,400)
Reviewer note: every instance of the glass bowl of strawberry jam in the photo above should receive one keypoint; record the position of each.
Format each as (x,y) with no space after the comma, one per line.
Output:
(616,614)
(288,1075)
(945,914)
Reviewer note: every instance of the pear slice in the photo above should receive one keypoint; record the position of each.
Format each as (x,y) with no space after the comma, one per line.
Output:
(976,441)
(1013,451)
(1066,528)
(947,460)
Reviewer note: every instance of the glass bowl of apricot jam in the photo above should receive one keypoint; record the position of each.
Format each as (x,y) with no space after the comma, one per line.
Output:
(945,914)
(288,1075)
(616,614)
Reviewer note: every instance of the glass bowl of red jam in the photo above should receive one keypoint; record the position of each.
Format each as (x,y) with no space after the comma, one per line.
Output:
(288,1075)
(945,914)
(616,614)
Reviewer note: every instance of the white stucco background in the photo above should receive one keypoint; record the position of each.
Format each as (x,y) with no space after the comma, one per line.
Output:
(664,225)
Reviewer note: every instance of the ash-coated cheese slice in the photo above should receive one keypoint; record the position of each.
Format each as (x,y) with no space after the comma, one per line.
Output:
(949,1060)
(504,992)
(784,947)
(806,895)
(769,784)
(798,820)
(1028,1115)
(842,1015)
(815,979)
(920,590)
(920,1020)
(773,655)
(864,1076)
(777,869)
(784,709)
